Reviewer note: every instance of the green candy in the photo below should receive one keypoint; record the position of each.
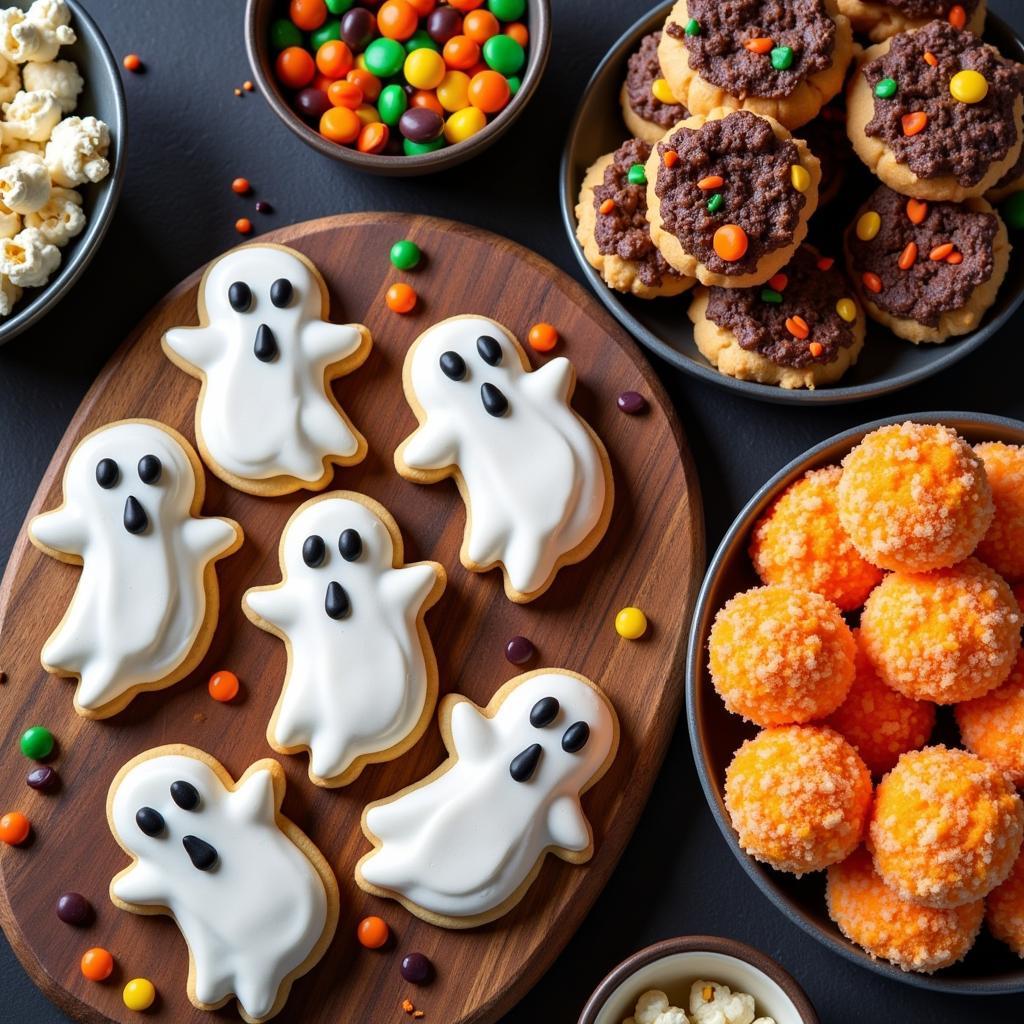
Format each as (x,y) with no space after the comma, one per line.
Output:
(421,40)
(716,202)
(782,58)
(507,10)
(637,175)
(515,83)
(328,31)
(284,33)
(692,27)
(384,57)
(886,89)
(37,742)
(1013,211)
(503,54)
(339,6)
(419,148)
(771,295)
(392,104)
(405,255)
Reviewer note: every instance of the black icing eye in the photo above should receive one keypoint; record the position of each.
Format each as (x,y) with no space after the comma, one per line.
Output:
(240,297)
(543,712)
(149,820)
(314,550)
(200,852)
(281,292)
(107,473)
(336,604)
(185,795)
(574,739)
(494,401)
(350,544)
(489,349)
(453,366)
(523,765)
(149,469)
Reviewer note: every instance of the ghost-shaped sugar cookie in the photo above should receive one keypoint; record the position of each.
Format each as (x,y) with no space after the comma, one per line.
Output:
(267,421)
(461,847)
(253,897)
(535,478)
(361,682)
(145,608)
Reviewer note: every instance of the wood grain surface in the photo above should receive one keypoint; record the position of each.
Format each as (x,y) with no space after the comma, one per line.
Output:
(652,556)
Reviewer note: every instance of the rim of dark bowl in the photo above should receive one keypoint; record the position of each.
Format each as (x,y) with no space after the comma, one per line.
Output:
(699,944)
(257,23)
(828,451)
(948,354)
(101,214)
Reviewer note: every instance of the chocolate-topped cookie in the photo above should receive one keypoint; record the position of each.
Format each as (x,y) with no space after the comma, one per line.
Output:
(800,330)
(927,270)
(648,107)
(936,113)
(781,58)
(611,225)
(880,19)
(729,196)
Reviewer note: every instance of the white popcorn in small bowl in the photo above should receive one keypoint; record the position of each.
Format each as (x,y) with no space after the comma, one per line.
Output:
(77,151)
(36,34)
(59,77)
(710,1003)
(60,219)
(10,293)
(31,115)
(28,259)
(24,182)
(10,223)
(10,81)
(653,1008)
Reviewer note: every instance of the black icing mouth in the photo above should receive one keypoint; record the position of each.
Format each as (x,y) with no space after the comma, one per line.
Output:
(493,399)
(265,346)
(135,519)
(337,604)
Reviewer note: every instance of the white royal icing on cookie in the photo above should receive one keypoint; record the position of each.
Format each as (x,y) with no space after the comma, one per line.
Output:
(141,600)
(534,478)
(357,682)
(250,918)
(265,410)
(464,841)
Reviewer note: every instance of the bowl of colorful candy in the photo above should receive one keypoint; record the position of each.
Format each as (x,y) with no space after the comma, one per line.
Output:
(402,87)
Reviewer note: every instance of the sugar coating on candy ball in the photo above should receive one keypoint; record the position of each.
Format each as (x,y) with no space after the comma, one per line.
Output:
(914,497)
(1002,547)
(779,655)
(878,721)
(945,828)
(993,725)
(946,636)
(800,541)
(798,797)
(913,937)
(1004,912)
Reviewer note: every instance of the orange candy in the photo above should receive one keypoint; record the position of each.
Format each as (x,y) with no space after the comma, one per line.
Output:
(397,19)
(908,257)
(761,44)
(957,16)
(461,52)
(240,186)
(671,158)
(132,62)
(778,282)
(607,206)
(930,59)
(422,7)
(872,282)
(797,326)
(940,252)
(308,14)
(294,67)
(465,5)
(373,932)
(955,258)
(914,123)
(428,99)
(14,828)
(489,91)
(243,226)
(373,137)
(730,241)
(97,964)
(519,32)
(367,81)
(710,182)
(917,210)
(542,337)
(334,59)
(400,299)
(815,348)
(480,26)
(339,124)
(345,94)
(223,686)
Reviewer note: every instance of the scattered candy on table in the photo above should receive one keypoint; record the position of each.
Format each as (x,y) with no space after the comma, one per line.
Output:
(132,62)
(401,298)
(45,779)
(519,650)
(417,969)
(139,994)
(37,742)
(243,226)
(74,908)
(632,403)
(241,186)
(373,932)
(542,337)
(631,623)
(14,828)
(97,964)
(405,255)
(223,686)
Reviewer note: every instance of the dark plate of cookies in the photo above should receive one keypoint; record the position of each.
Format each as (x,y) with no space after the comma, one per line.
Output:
(809,201)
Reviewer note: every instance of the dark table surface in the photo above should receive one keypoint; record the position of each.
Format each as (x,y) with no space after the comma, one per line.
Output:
(188,137)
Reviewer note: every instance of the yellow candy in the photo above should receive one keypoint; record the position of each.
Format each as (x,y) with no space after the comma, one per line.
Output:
(424,68)
(968,86)
(453,92)
(662,93)
(139,994)
(631,623)
(800,177)
(868,225)
(367,114)
(847,309)
(361,62)
(463,124)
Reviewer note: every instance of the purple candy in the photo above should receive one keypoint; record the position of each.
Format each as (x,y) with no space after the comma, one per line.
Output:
(262,206)
(443,23)
(632,403)
(358,28)
(418,124)
(44,778)
(312,103)
(417,969)
(74,908)
(519,650)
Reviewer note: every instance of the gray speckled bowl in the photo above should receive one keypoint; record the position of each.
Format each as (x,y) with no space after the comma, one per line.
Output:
(102,97)
(990,968)
(886,364)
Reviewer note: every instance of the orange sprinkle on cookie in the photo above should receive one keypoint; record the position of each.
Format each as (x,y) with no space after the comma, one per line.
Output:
(730,242)
(815,348)
(917,210)
(945,828)
(760,44)
(797,326)
(778,282)
(671,158)
(607,206)
(912,937)
(955,258)
(993,725)
(1002,547)
(914,123)
(930,59)
(908,257)
(800,541)
(872,282)
(798,797)
(940,252)
(914,496)
(947,635)
(778,654)
(710,182)
(1004,913)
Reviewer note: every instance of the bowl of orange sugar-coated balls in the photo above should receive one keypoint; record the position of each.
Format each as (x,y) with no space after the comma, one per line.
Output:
(399,87)
(855,697)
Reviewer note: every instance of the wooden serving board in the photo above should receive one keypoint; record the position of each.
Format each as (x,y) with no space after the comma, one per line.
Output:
(652,556)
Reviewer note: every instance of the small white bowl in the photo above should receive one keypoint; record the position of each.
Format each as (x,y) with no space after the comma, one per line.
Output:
(675,964)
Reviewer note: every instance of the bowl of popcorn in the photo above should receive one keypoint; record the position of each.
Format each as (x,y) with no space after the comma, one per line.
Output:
(698,979)
(61,131)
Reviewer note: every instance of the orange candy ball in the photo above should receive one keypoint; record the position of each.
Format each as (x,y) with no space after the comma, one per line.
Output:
(992,726)
(243,226)
(427,99)
(465,5)
(1004,912)
(223,686)
(373,932)
(339,124)
(132,62)
(489,91)
(240,186)
(97,964)
(480,26)
(367,81)
(1002,547)
(307,14)
(519,32)
(400,298)
(542,337)
(461,53)
(397,19)
(345,94)
(334,59)
(14,828)
(373,137)
(294,67)
(730,242)
(422,7)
